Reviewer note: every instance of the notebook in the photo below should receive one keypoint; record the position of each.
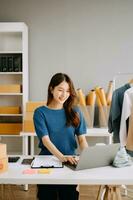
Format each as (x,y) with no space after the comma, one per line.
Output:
(96,156)
(46,162)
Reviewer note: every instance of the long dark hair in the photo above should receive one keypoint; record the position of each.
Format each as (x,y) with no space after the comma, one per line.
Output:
(72,117)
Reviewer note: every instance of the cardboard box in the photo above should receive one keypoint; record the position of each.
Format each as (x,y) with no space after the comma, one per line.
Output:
(10,128)
(28,126)
(12,88)
(10,110)
(3,150)
(3,164)
(31,105)
(28,116)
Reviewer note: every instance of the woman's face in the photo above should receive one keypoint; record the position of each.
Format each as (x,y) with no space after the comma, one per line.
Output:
(61,92)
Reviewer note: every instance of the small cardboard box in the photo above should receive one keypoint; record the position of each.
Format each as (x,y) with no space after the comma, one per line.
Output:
(31,105)
(9,109)
(10,128)
(12,88)
(28,125)
(3,164)
(3,150)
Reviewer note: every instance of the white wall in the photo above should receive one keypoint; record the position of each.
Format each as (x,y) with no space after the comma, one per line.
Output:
(91,40)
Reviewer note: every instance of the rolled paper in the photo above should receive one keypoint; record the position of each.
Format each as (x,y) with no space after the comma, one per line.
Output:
(81,97)
(109,93)
(91,110)
(86,115)
(98,101)
(102,117)
(131,81)
(103,97)
(91,98)
(101,94)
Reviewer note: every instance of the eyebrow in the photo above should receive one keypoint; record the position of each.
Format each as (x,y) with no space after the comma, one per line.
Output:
(63,88)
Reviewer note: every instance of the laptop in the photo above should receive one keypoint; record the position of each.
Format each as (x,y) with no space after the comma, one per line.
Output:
(96,156)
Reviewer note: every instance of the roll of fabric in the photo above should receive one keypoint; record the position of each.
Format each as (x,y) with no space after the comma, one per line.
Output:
(109,93)
(91,98)
(81,97)
(103,97)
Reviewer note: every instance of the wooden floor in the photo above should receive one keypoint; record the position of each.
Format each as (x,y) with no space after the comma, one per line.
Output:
(16,192)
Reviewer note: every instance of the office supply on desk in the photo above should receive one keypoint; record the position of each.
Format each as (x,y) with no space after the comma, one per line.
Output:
(44,171)
(30,171)
(46,162)
(13,159)
(97,156)
(27,161)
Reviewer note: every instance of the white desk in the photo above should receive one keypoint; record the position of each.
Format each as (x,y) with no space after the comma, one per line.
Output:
(98,176)
(109,177)
(91,132)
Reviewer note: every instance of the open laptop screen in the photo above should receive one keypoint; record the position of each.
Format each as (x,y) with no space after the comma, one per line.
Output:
(96,156)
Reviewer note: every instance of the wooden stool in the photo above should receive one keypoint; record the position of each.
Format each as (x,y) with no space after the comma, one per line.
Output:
(111,192)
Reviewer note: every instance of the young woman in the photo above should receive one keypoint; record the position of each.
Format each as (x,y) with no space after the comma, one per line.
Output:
(56,125)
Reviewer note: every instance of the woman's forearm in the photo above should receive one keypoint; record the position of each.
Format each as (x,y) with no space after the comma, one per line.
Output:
(82,142)
(52,148)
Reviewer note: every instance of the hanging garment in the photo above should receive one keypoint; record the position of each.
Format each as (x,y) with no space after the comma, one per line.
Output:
(126,113)
(115,112)
(129,145)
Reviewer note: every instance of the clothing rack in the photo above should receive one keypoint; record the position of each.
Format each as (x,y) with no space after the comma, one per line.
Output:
(120,74)
(114,87)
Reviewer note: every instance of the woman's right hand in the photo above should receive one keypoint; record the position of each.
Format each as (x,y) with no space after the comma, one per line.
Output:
(72,159)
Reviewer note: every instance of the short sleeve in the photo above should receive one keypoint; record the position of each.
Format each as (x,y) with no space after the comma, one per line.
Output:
(82,128)
(40,124)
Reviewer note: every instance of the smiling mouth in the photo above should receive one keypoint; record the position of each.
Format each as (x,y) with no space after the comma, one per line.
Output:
(62,99)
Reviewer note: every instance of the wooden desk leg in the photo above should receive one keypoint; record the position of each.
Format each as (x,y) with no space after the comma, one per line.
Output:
(118,193)
(100,192)
(107,193)
(112,193)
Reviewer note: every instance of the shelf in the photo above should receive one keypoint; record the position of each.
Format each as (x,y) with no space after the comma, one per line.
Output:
(13,41)
(11,73)
(98,134)
(15,115)
(11,94)
(10,52)
(93,132)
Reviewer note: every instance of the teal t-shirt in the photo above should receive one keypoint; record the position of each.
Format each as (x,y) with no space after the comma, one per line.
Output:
(52,122)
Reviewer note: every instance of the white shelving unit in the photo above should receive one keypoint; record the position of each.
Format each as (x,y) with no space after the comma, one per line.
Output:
(91,133)
(14,41)
(99,133)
